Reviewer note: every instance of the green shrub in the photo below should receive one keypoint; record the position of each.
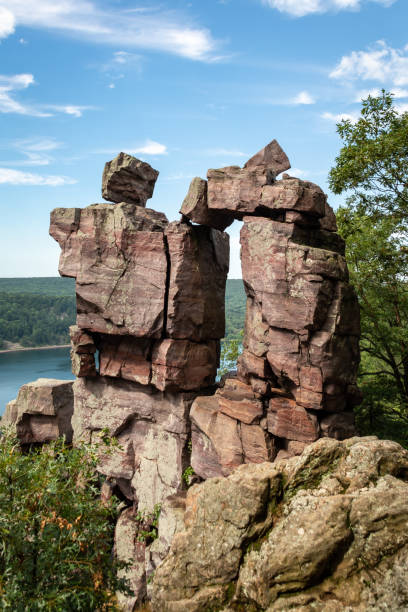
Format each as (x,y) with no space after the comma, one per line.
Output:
(56,536)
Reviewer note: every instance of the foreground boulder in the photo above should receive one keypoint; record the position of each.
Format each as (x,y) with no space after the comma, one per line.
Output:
(42,411)
(127,179)
(322,531)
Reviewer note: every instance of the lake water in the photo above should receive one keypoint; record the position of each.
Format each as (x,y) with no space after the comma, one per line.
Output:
(20,367)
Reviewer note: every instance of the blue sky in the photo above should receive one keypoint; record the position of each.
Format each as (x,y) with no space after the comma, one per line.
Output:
(183,85)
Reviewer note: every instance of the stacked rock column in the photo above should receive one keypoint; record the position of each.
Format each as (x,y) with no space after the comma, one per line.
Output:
(296,376)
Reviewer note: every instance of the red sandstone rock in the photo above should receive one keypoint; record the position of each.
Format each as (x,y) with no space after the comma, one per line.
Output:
(288,420)
(294,194)
(272,157)
(42,411)
(127,179)
(199,260)
(257,445)
(250,365)
(181,364)
(82,352)
(237,191)
(118,256)
(195,207)
(126,358)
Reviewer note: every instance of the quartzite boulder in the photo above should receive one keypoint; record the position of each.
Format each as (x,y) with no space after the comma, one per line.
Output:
(127,179)
(199,262)
(323,531)
(42,411)
(152,428)
(195,207)
(118,256)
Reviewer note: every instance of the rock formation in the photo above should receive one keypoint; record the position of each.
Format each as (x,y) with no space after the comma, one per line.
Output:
(146,347)
(296,376)
(324,531)
(42,411)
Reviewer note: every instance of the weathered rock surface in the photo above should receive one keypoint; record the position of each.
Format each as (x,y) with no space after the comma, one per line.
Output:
(42,411)
(151,427)
(195,207)
(199,262)
(322,531)
(118,256)
(127,179)
(272,156)
(83,351)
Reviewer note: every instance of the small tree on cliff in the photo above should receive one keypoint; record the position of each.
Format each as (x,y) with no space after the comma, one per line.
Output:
(372,168)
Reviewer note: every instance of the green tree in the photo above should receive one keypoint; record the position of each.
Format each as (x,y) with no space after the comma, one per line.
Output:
(373,163)
(378,264)
(372,170)
(56,536)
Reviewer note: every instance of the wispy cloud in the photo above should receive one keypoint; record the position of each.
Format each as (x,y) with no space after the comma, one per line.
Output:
(10,85)
(380,63)
(7,22)
(34,152)
(303,97)
(149,147)
(147,29)
(8,103)
(300,8)
(17,177)
(336,118)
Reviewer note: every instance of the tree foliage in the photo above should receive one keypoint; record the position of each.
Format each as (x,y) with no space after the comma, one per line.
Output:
(372,168)
(373,163)
(56,537)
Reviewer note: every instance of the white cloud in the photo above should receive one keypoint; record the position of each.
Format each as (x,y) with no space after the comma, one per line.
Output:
(381,63)
(69,109)
(148,29)
(297,172)
(303,97)
(34,152)
(300,8)
(375,92)
(9,85)
(353,117)
(8,103)
(150,148)
(16,177)
(7,22)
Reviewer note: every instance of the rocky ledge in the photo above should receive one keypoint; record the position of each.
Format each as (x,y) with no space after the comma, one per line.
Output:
(326,530)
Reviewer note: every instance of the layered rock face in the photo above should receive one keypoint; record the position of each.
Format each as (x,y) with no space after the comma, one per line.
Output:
(324,531)
(296,376)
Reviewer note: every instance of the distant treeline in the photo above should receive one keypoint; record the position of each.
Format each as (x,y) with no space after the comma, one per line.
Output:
(38,311)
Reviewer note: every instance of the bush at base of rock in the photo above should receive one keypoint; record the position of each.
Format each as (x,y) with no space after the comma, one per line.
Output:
(56,536)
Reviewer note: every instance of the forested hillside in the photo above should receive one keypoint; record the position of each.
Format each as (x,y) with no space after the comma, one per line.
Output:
(38,311)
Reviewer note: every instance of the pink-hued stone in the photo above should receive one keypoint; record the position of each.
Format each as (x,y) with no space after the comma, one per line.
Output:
(288,420)
(118,256)
(125,357)
(127,179)
(223,433)
(257,445)
(181,364)
(82,352)
(42,411)
(249,365)
(199,261)
(294,194)
(237,191)
(272,157)
(195,207)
